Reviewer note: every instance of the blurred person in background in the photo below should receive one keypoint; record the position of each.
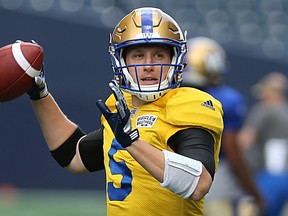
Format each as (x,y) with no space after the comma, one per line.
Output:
(206,64)
(264,137)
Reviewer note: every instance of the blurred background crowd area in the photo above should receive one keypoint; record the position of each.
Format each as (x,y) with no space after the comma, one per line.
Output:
(75,37)
(252,27)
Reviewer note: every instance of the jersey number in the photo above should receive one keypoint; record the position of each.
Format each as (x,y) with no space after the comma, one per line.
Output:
(119,167)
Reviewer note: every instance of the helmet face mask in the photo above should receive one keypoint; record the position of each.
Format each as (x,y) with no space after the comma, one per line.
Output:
(145,27)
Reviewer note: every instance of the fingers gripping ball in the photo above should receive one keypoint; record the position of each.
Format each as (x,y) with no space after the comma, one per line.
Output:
(39,88)
(20,63)
(119,122)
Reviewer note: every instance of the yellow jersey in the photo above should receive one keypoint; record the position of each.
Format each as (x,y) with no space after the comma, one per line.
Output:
(131,190)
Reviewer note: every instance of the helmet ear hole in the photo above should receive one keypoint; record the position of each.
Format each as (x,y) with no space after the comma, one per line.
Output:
(178,78)
(119,79)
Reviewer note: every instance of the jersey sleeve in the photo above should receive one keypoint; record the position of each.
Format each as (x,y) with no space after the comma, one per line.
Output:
(195,109)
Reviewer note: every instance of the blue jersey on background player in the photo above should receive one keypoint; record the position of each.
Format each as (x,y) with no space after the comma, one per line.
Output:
(233,105)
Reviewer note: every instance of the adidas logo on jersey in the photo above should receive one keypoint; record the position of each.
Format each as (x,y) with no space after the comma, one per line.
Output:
(208,104)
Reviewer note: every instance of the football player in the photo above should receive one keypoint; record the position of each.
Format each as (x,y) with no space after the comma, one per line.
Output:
(158,143)
(206,64)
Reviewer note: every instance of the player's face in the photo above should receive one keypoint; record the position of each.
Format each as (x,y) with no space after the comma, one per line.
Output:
(147,73)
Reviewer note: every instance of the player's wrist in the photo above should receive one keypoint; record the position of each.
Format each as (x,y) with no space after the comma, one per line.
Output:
(134,136)
(134,143)
(126,139)
(39,89)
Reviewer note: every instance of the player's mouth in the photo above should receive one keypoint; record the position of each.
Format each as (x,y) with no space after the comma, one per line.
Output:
(149,81)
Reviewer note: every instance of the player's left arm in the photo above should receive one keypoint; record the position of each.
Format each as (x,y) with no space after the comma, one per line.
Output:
(189,179)
(197,144)
(187,172)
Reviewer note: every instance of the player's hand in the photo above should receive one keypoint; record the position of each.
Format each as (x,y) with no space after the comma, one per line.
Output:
(120,121)
(39,89)
(31,41)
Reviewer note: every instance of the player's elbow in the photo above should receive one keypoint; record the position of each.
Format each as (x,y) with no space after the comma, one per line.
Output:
(185,176)
(76,166)
(202,187)
(199,193)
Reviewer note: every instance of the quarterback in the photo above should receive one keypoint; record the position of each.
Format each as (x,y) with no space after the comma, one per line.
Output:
(159,143)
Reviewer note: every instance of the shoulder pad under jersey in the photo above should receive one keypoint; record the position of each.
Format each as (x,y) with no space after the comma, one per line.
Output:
(192,107)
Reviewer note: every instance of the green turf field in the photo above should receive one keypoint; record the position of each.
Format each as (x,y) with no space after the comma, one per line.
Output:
(52,202)
(14,202)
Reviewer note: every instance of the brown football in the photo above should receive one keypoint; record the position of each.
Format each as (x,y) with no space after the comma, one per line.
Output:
(20,62)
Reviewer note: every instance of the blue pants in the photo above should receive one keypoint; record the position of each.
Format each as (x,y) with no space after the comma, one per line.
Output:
(275,190)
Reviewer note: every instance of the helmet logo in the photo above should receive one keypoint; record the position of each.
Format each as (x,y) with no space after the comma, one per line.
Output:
(147,35)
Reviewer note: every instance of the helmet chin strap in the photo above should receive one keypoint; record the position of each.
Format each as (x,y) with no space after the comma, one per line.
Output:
(147,96)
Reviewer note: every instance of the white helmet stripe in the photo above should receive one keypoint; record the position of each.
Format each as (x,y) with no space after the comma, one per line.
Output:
(22,61)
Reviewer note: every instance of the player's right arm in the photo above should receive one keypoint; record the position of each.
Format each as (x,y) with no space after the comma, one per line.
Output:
(66,141)
(56,129)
